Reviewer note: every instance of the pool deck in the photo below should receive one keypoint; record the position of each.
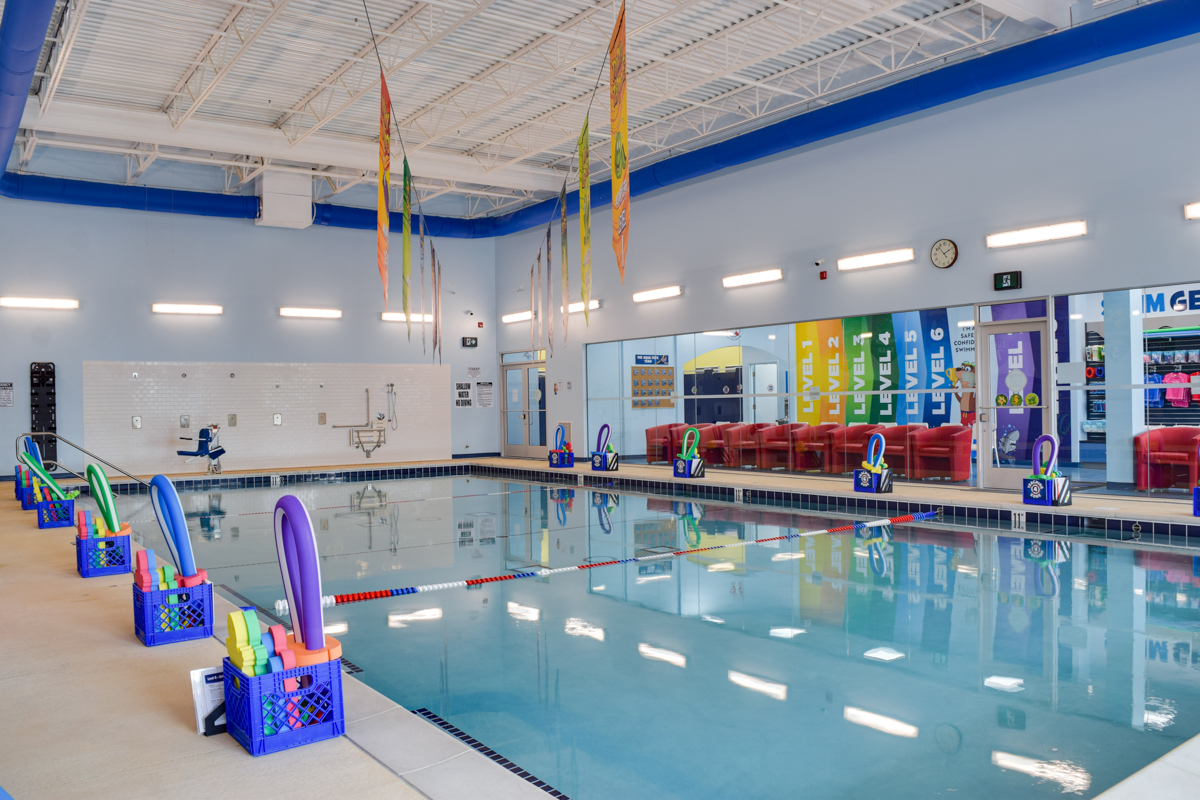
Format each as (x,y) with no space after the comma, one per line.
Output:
(90,712)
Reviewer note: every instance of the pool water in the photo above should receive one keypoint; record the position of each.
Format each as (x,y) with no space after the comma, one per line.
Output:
(926,660)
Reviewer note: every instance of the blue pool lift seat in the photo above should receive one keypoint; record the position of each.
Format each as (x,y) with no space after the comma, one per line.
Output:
(208,446)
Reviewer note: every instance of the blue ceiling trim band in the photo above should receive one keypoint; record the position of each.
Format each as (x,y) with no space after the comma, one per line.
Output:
(136,198)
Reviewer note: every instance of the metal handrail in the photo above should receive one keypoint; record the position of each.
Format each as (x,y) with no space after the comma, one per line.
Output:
(17,450)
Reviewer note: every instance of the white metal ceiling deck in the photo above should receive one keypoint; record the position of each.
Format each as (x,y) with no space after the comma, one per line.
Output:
(489,95)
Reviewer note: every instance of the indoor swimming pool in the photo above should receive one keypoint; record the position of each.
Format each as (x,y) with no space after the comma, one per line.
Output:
(918,661)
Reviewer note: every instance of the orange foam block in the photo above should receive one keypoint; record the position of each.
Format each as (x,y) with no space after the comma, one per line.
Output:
(306,658)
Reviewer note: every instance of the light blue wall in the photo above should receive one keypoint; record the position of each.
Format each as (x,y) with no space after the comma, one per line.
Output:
(118,262)
(1113,144)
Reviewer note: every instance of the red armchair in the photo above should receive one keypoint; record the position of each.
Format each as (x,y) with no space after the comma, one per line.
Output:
(897,446)
(741,444)
(1166,457)
(712,443)
(810,447)
(847,446)
(678,433)
(775,445)
(658,442)
(942,452)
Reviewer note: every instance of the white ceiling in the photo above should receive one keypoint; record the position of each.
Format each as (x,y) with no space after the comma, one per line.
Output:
(489,95)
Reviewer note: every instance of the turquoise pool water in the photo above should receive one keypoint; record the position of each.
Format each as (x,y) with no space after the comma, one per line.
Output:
(937,661)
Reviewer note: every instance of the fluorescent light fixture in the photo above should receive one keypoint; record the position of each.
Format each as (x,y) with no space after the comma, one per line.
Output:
(1077,316)
(578,627)
(599,588)
(769,688)
(967,323)
(1003,684)
(657,294)
(719,333)
(1191,211)
(713,620)
(659,654)
(877,259)
(885,654)
(724,566)
(38,302)
(786,556)
(577,308)
(1073,779)
(312,313)
(520,316)
(787,633)
(648,578)
(402,620)
(1047,233)
(336,627)
(879,722)
(185,308)
(751,278)
(524,612)
(398,316)
(771,337)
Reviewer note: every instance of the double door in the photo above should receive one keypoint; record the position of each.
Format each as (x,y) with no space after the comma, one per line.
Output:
(525,410)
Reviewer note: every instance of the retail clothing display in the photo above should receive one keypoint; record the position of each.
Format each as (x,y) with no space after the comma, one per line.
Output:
(1154,397)
(1177,396)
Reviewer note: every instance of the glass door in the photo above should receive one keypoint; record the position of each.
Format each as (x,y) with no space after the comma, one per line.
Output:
(524,409)
(1015,398)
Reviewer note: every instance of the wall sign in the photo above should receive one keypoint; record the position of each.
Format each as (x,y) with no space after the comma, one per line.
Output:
(1007,280)
(470,341)
(484,394)
(651,361)
(6,395)
(462,395)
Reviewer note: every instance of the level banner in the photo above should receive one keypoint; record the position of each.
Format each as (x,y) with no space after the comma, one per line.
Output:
(585,221)
(383,218)
(914,367)
(860,373)
(619,121)
(833,358)
(808,377)
(885,359)
(406,246)
(939,355)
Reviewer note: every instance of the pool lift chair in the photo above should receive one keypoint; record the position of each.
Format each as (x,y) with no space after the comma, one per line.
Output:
(208,446)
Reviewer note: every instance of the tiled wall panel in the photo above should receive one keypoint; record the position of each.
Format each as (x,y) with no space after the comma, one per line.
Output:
(255,392)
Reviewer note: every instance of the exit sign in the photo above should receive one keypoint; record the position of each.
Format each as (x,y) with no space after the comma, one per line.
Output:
(470,341)
(1007,280)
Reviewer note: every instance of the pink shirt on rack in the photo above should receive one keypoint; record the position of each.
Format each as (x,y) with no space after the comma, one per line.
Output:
(1178,397)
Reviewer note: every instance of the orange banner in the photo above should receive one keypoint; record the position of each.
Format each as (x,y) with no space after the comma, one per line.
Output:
(383,220)
(619,120)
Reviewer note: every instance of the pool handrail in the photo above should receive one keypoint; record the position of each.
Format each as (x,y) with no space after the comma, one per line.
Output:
(17,449)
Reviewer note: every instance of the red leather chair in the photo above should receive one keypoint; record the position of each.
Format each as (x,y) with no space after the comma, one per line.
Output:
(897,446)
(1166,457)
(741,444)
(810,447)
(847,446)
(775,445)
(712,443)
(678,433)
(942,452)
(658,442)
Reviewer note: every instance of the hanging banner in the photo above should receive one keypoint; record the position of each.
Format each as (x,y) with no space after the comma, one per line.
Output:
(619,120)
(935,330)
(829,335)
(383,218)
(861,369)
(550,292)
(406,244)
(884,359)
(914,366)
(585,221)
(566,271)
(821,365)
(421,233)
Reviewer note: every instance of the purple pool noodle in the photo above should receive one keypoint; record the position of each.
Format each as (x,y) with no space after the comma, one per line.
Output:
(1037,454)
(296,545)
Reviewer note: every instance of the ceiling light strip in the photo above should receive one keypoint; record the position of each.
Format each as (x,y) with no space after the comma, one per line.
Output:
(59,304)
(884,259)
(185,308)
(1046,233)
(311,313)
(752,278)
(657,294)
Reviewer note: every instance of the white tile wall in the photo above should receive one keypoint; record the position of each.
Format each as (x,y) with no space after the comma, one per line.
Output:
(257,391)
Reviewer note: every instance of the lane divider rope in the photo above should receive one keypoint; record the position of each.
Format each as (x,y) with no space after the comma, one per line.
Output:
(329,601)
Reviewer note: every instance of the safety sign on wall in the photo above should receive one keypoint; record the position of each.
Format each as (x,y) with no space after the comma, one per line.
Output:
(462,395)
(483,394)
(6,395)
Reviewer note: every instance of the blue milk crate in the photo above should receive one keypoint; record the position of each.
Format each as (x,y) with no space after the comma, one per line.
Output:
(562,459)
(18,489)
(603,461)
(98,557)
(1196,501)
(873,482)
(166,616)
(265,717)
(56,513)
(29,500)
(688,467)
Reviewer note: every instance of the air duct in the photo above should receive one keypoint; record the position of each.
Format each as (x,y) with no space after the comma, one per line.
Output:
(22,34)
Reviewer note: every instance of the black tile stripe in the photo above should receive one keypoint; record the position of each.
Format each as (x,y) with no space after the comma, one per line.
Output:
(479,746)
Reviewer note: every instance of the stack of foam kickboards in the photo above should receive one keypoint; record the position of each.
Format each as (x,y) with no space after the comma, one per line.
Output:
(148,575)
(27,480)
(257,652)
(89,527)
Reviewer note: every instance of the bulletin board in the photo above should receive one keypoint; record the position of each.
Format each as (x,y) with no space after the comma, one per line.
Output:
(653,387)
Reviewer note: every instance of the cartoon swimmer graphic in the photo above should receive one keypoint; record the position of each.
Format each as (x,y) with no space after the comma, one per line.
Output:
(964,378)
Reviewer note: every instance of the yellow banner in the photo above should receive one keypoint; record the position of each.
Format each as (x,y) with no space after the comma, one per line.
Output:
(585,220)
(820,364)
(619,119)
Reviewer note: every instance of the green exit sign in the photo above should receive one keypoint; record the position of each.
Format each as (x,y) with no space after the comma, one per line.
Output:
(470,341)
(1007,280)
